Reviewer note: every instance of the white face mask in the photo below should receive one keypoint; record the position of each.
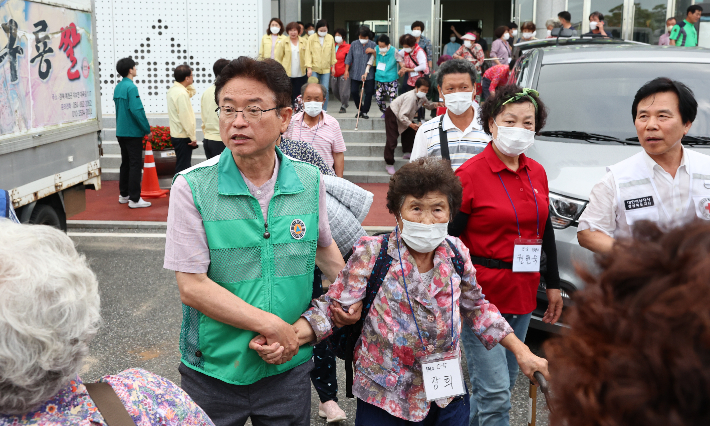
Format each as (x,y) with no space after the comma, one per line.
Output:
(513,141)
(506,36)
(408,49)
(459,102)
(384,49)
(313,108)
(527,36)
(275,30)
(453,39)
(515,32)
(338,39)
(416,33)
(549,33)
(423,238)
(669,28)
(421,95)
(322,33)
(364,40)
(311,32)
(593,25)
(468,43)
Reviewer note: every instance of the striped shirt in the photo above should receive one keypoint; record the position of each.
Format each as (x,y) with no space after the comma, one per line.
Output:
(325,137)
(462,144)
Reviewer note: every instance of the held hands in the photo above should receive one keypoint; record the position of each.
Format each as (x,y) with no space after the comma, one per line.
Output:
(278,343)
(554,306)
(341,318)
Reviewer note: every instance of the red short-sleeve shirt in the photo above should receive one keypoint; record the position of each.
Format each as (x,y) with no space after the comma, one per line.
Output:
(491,230)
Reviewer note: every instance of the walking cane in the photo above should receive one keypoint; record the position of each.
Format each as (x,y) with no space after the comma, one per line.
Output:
(532,406)
(362,90)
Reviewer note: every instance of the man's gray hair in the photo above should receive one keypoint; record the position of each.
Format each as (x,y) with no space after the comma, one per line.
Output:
(455,66)
(322,88)
(554,22)
(49,312)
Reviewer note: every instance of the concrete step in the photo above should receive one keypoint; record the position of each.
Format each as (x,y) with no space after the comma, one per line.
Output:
(367,177)
(362,135)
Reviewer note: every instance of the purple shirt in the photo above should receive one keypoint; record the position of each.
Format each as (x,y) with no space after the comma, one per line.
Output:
(186,248)
(665,39)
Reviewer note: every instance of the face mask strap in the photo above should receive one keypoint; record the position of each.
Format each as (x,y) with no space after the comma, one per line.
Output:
(526,93)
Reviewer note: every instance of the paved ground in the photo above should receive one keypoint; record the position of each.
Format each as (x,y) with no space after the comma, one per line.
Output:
(142,314)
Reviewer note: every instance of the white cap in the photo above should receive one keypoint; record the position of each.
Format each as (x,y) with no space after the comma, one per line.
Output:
(469,36)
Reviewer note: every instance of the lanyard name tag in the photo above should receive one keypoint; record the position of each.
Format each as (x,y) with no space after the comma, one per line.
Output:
(414,73)
(381,66)
(443,377)
(526,255)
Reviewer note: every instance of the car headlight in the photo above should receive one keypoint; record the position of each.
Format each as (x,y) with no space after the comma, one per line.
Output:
(564,211)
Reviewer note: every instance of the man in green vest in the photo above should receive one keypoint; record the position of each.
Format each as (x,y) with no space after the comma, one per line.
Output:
(684,34)
(245,231)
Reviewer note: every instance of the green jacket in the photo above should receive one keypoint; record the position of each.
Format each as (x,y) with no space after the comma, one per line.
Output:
(131,121)
(267,263)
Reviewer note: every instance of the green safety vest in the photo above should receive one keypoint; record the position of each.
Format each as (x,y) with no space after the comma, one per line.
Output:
(271,272)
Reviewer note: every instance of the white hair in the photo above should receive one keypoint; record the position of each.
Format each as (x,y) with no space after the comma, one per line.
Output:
(49,312)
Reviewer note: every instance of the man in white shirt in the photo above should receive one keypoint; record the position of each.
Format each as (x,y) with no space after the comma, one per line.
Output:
(462,134)
(664,183)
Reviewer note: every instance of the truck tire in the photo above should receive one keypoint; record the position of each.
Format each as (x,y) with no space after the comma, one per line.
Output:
(44,214)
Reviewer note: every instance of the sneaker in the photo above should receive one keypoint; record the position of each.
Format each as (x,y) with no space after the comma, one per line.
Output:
(331,412)
(407,156)
(390,169)
(343,110)
(140,204)
(123,200)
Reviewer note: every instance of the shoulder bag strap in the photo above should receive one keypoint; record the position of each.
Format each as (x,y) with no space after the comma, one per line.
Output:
(109,405)
(459,262)
(444,141)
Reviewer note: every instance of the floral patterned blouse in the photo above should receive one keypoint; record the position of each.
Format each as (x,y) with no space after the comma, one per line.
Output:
(150,400)
(387,357)
(475,56)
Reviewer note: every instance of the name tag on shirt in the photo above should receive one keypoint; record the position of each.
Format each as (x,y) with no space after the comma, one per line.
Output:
(526,255)
(442,375)
(381,66)
(639,203)
(414,73)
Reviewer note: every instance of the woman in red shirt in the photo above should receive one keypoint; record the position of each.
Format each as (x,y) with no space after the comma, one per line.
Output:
(340,84)
(504,221)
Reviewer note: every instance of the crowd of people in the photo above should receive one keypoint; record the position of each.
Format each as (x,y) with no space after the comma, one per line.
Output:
(253,230)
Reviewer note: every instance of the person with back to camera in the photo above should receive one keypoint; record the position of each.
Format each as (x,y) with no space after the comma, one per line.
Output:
(49,313)
(212,142)
(500,49)
(320,56)
(638,347)
(504,222)
(274,34)
(428,293)
(664,182)
(565,29)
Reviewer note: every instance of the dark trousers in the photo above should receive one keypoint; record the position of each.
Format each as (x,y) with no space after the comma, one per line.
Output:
(296,84)
(486,86)
(323,376)
(455,414)
(183,153)
(355,86)
(392,131)
(212,148)
(280,400)
(129,178)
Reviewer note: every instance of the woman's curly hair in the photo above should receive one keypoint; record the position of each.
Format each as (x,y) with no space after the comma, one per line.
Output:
(638,353)
(421,177)
(494,106)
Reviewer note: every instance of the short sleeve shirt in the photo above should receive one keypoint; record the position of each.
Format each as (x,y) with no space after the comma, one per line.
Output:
(325,137)
(691,38)
(186,248)
(492,230)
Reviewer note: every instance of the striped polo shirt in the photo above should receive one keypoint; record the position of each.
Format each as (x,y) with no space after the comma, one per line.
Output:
(462,144)
(325,137)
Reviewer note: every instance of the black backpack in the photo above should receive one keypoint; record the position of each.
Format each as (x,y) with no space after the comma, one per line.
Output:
(343,340)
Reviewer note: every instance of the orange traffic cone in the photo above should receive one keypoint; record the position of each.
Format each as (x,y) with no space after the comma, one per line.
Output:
(150,187)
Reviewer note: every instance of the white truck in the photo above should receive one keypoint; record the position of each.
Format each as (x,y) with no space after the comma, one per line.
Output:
(50,110)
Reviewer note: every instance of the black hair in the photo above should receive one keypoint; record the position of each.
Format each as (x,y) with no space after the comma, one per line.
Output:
(307,26)
(565,15)
(364,31)
(322,23)
(494,106)
(455,66)
(340,31)
(419,24)
(408,40)
(422,81)
(123,66)
(299,22)
(219,66)
(599,16)
(182,72)
(512,25)
(384,38)
(278,21)
(687,104)
(694,8)
(500,31)
(269,72)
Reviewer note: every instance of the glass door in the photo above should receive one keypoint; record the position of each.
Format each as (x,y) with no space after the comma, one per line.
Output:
(649,20)
(408,11)
(613,14)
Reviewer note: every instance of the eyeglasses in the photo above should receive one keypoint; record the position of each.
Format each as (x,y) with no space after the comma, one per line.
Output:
(251,114)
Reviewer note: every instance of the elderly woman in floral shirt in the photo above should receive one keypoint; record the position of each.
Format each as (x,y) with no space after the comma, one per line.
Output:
(420,298)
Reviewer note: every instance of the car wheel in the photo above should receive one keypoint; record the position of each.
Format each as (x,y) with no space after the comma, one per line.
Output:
(45,215)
